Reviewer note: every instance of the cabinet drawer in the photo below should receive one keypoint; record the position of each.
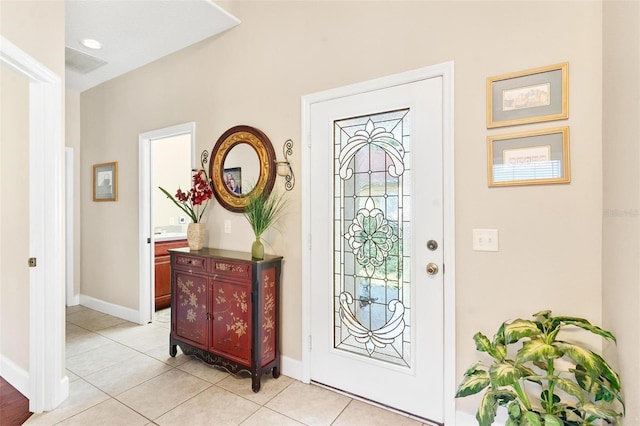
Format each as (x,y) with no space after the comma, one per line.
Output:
(192,263)
(232,269)
(162,248)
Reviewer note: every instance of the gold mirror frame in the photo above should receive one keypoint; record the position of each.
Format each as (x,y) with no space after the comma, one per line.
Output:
(266,159)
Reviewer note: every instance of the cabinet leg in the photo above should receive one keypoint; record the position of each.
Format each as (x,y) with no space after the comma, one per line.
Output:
(173,350)
(275,372)
(255,383)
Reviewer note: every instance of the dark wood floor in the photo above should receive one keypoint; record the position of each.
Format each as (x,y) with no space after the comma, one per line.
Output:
(14,407)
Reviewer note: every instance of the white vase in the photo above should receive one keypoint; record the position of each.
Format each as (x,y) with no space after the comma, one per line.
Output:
(195,235)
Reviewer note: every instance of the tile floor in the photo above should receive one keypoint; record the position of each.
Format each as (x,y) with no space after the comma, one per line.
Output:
(121,373)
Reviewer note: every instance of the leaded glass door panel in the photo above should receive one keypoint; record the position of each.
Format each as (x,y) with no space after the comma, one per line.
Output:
(376,180)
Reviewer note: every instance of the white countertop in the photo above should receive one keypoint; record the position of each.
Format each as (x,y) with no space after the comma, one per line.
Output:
(170,236)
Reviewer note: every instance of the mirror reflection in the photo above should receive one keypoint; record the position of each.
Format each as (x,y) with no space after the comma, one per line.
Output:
(241,169)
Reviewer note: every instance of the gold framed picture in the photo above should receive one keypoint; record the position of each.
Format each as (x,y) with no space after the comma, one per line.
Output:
(529,158)
(105,182)
(531,96)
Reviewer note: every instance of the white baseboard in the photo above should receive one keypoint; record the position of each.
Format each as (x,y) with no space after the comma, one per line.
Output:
(63,393)
(110,308)
(75,300)
(291,367)
(467,419)
(15,375)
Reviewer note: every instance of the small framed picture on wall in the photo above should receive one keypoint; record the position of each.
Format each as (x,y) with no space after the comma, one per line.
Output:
(105,182)
(529,158)
(531,96)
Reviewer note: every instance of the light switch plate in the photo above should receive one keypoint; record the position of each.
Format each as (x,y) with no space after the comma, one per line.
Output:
(485,240)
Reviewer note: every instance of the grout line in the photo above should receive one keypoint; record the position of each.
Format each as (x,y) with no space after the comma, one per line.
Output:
(273,411)
(87,408)
(177,367)
(164,412)
(343,410)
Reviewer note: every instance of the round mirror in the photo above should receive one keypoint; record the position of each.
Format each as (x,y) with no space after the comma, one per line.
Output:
(243,161)
(241,169)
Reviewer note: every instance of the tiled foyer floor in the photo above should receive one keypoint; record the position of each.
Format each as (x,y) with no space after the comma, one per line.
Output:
(121,374)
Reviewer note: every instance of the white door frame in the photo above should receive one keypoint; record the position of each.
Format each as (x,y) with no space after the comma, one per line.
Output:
(48,384)
(71,297)
(145,203)
(445,71)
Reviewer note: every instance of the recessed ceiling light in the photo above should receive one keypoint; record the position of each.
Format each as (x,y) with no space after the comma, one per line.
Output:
(91,43)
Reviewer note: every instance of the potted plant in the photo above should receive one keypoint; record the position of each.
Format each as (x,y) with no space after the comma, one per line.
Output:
(549,382)
(262,211)
(194,202)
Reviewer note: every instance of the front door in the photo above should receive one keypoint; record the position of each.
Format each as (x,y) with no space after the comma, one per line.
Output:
(376,262)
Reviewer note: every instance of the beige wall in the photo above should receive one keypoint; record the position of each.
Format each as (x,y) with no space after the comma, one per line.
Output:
(14,209)
(621,159)
(171,170)
(36,27)
(550,236)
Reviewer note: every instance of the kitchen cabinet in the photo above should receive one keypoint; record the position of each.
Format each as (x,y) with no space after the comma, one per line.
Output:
(225,310)
(162,284)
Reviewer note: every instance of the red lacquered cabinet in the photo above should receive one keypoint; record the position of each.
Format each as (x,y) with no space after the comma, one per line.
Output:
(224,310)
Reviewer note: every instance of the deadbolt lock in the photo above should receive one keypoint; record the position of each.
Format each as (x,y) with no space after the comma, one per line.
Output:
(432,245)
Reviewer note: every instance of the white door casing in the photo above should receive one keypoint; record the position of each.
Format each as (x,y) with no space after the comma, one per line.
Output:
(405,345)
(48,383)
(145,203)
(71,297)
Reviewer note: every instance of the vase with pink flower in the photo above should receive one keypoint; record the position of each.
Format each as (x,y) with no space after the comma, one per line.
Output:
(194,203)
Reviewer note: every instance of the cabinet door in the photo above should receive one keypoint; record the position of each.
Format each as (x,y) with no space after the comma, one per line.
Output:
(231,325)
(190,307)
(163,282)
(163,271)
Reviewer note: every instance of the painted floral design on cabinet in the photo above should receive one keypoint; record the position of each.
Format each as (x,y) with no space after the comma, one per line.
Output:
(268,315)
(191,308)
(232,318)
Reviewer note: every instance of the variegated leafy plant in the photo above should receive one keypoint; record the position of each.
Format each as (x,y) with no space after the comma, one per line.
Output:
(550,382)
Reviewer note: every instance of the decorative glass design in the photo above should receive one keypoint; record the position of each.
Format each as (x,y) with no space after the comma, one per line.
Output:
(372,195)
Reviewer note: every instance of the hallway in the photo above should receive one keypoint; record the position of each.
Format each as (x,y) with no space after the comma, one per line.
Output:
(121,373)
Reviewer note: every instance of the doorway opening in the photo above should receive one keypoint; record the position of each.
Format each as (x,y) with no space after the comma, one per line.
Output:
(166,160)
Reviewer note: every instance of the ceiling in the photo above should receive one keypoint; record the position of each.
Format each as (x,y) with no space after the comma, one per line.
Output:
(133,33)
